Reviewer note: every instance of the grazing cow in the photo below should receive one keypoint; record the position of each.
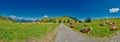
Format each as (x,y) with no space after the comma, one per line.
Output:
(72,25)
(85,30)
(23,23)
(113,28)
(102,24)
(111,23)
(35,22)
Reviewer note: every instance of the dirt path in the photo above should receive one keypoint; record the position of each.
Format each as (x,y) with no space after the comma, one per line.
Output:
(115,38)
(66,34)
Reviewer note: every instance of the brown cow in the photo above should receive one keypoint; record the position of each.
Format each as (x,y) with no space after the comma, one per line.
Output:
(113,28)
(72,25)
(85,30)
(111,23)
(102,24)
(23,23)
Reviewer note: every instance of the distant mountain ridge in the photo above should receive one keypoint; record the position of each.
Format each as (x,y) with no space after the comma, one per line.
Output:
(3,18)
(23,20)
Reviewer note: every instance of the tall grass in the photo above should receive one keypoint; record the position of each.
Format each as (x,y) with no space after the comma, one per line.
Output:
(10,32)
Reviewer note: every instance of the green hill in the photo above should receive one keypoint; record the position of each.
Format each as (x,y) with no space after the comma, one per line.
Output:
(5,19)
(62,19)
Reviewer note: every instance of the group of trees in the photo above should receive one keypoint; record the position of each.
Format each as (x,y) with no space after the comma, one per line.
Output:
(88,20)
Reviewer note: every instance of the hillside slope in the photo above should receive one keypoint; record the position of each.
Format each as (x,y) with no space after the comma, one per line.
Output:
(62,19)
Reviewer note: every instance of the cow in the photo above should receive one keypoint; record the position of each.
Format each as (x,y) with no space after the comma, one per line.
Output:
(113,28)
(23,23)
(72,25)
(85,30)
(111,23)
(102,24)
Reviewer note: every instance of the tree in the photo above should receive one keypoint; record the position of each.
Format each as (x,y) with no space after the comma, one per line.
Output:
(59,21)
(88,20)
(68,21)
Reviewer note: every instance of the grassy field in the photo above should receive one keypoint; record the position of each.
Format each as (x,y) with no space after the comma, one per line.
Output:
(99,31)
(12,32)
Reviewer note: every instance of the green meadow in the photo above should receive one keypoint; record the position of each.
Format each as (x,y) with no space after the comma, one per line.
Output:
(13,31)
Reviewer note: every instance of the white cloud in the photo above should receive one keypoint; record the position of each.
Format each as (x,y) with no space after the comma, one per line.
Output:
(45,16)
(13,17)
(114,10)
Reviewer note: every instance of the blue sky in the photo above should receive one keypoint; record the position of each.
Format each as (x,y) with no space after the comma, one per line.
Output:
(54,8)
